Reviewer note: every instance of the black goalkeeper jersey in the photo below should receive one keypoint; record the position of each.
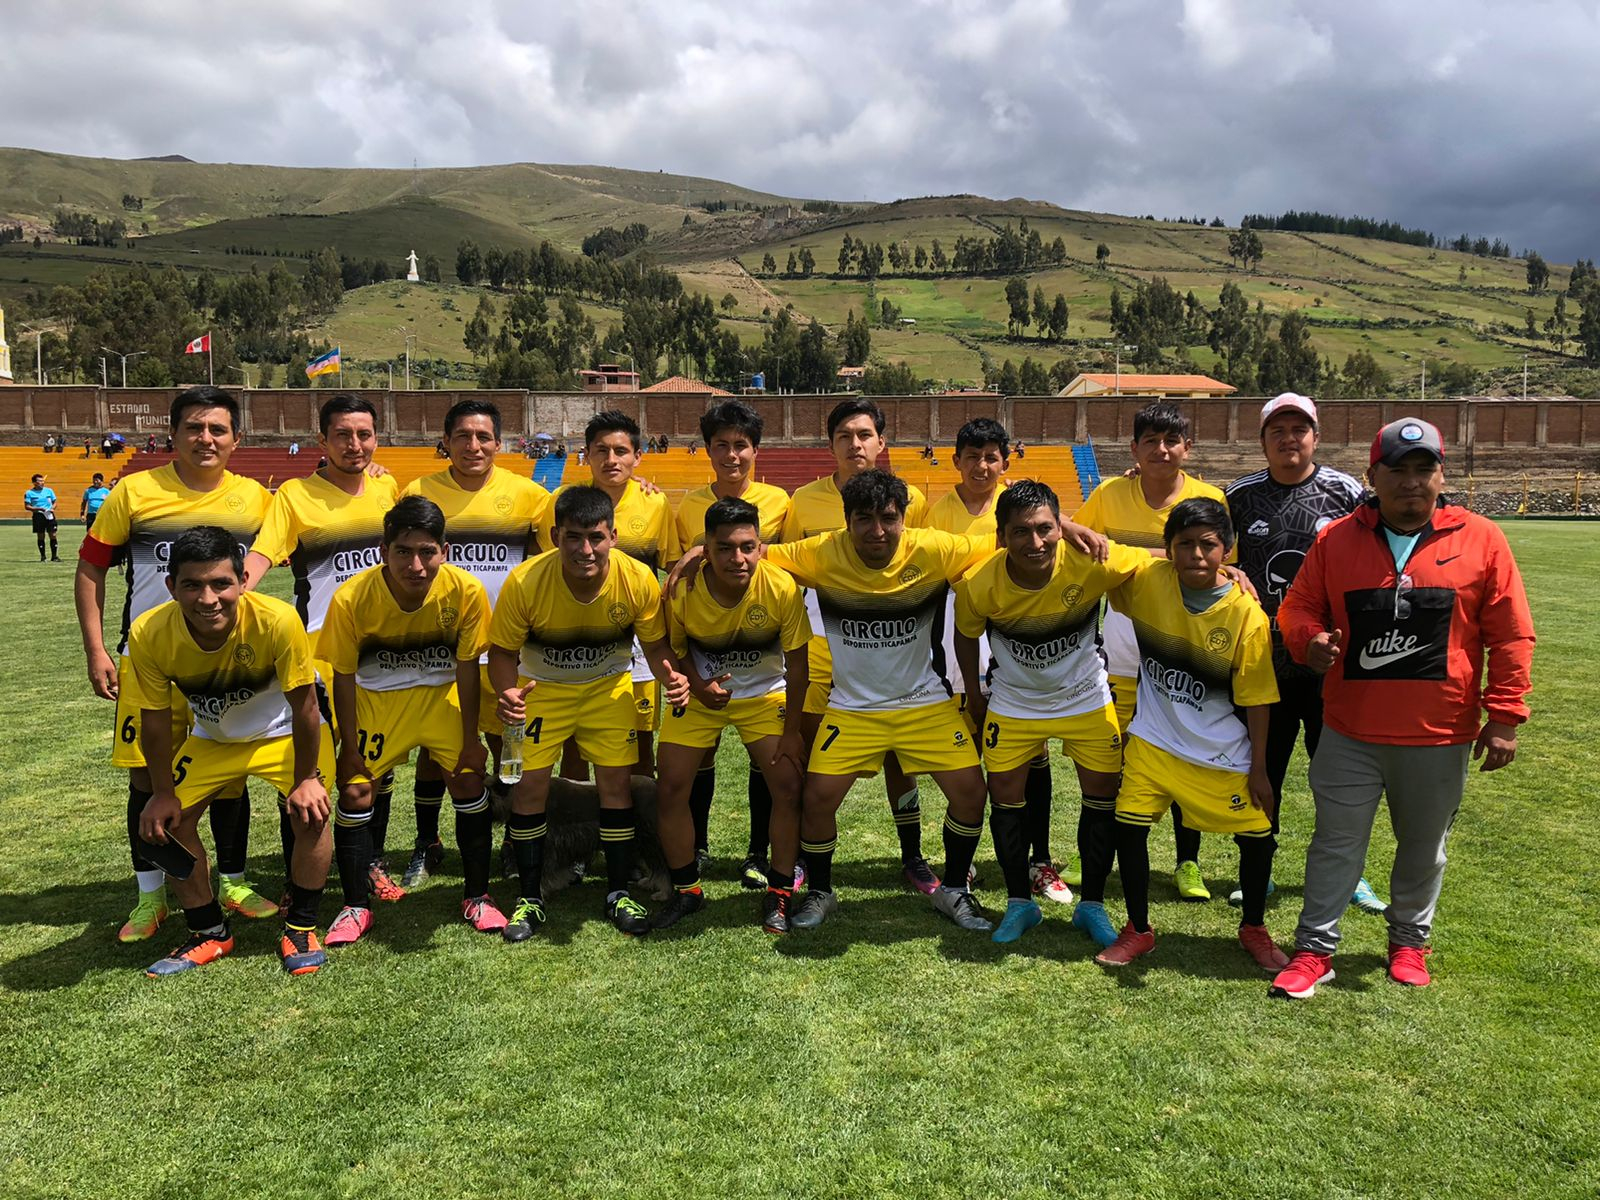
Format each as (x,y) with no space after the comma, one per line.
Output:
(1276,524)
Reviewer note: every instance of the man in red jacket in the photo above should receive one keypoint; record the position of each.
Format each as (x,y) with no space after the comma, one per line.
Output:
(1396,606)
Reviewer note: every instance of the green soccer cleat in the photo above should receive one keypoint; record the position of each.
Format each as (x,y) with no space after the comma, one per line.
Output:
(239,897)
(1190,884)
(146,917)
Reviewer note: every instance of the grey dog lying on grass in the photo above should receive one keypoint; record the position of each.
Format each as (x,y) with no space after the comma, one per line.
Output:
(573,815)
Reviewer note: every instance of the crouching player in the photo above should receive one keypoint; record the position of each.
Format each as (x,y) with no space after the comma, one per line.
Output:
(568,619)
(403,639)
(243,663)
(741,637)
(1038,601)
(1205,650)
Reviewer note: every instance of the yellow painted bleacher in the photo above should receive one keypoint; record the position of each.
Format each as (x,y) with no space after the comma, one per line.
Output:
(406,463)
(1049,464)
(676,472)
(69,474)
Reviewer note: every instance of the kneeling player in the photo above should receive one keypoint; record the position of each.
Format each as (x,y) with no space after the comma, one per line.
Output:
(403,639)
(1038,600)
(1205,650)
(243,663)
(568,619)
(741,637)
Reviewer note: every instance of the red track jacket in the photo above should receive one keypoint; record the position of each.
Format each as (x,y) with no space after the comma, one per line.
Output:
(1410,666)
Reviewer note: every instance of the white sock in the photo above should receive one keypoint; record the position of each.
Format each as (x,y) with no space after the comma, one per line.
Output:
(151,881)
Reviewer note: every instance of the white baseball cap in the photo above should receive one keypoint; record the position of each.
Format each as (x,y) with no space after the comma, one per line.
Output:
(1290,402)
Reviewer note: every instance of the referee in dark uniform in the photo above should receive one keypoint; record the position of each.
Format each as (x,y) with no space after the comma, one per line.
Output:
(1277,513)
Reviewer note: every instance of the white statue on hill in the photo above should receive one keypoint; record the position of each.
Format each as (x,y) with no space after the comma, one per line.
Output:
(411,275)
(5,351)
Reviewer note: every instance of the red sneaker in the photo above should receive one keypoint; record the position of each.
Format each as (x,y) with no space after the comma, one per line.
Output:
(1130,944)
(1298,981)
(382,884)
(1262,948)
(482,915)
(1409,965)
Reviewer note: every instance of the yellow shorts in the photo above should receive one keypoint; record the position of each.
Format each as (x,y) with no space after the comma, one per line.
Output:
(1213,800)
(126,752)
(821,685)
(324,670)
(202,768)
(1089,739)
(755,717)
(599,716)
(646,705)
(488,722)
(1124,695)
(390,725)
(928,738)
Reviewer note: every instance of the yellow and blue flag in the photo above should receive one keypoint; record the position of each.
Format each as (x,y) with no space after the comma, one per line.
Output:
(325,364)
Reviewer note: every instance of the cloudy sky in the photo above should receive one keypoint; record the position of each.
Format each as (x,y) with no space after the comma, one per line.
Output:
(1469,116)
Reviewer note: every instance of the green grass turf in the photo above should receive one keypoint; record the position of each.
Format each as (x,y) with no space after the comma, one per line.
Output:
(887,1054)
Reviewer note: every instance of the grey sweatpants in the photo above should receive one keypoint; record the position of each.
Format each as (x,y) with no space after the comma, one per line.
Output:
(1424,786)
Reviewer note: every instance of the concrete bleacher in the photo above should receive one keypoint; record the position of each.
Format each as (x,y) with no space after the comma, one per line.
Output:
(68,474)
(1054,465)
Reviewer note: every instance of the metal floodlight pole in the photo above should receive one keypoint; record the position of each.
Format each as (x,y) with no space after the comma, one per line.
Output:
(124,358)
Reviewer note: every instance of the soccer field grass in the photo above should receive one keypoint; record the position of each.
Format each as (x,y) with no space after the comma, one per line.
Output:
(886,1054)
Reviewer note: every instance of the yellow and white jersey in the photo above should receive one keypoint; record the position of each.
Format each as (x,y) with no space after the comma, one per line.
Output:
(563,640)
(492,529)
(747,641)
(327,535)
(949,513)
(644,525)
(880,623)
(1195,667)
(367,634)
(771,502)
(236,692)
(147,511)
(1118,509)
(1045,655)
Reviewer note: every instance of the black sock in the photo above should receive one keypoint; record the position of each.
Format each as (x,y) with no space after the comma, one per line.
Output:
(1255,872)
(908,824)
(1133,852)
(616,838)
(686,878)
(230,829)
(960,844)
(526,831)
(137,799)
(303,905)
(352,850)
(207,918)
(760,814)
(1097,845)
(701,793)
(819,864)
(382,802)
(1008,827)
(428,795)
(779,882)
(474,838)
(1185,841)
(286,836)
(1038,790)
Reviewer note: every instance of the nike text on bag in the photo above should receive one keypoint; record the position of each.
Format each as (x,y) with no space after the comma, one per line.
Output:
(1399,633)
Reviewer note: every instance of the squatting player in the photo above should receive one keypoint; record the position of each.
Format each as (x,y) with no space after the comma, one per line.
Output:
(403,639)
(1038,601)
(560,652)
(741,639)
(242,663)
(138,522)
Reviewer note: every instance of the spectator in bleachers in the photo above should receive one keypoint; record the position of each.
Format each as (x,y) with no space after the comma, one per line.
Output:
(88,447)
(150,444)
(294,449)
(49,442)
(169,443)
(1019,449)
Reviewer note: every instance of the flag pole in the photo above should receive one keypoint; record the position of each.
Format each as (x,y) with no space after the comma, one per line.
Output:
(211,370)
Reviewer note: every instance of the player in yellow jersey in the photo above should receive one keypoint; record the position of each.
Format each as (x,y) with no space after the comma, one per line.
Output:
(1133,510)
(1038,600)
(329,526)
(732,435)
(741,639)
(566,623)
(403,639)
(1205,652)
(136,526)
(645,532)
(242,662)
(494,517)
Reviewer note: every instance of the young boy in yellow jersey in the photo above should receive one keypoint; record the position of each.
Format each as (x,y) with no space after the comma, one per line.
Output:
(1038,600)
(741,639)
(1133,510)
(645,532)
(329,527)
(242,662)
(136,526)
(1205,651)
(403,639)
(560,649)
(732,434)
(494,517)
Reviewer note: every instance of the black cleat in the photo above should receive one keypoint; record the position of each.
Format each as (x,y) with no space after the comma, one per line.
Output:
(775,910)
(628,915)
(682,904)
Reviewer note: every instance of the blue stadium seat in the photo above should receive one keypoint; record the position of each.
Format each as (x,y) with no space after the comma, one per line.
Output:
(1088,467)
(547,471)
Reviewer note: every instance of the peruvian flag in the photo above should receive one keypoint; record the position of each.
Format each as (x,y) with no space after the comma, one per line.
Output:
(201,345)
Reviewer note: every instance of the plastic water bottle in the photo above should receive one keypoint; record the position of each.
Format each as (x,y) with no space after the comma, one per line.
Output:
(511,736)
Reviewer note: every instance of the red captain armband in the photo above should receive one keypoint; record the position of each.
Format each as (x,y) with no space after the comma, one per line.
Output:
(97,553)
